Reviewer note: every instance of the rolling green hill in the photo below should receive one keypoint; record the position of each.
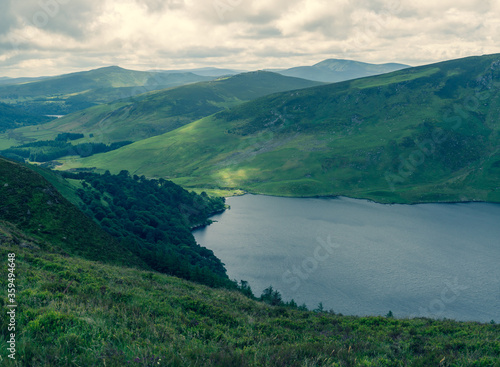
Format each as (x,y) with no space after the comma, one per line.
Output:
(335,70)
(158,112)
(429,133)
(68,93)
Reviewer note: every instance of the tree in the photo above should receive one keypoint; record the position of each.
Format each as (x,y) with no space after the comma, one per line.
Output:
(320,308)
(271,296)
(245,289)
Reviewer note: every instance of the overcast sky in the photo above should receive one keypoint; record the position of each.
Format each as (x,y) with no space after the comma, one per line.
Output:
(49,37)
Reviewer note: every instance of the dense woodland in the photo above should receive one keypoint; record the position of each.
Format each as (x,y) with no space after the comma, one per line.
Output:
(153,219)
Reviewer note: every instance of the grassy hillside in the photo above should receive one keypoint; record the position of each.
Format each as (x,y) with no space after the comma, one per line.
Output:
(68,93)
(36,207)
(158,112)
(128,220)
(334,70)
(75,312)
(429,133)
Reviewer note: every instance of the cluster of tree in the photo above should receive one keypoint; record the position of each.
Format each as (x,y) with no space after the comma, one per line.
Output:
(273,297)
(153,219)
(49,150)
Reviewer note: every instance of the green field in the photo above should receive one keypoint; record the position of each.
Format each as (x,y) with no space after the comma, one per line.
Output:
(421,134)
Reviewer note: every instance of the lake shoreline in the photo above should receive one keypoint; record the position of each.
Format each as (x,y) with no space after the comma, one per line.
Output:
(360,257)
(363,198)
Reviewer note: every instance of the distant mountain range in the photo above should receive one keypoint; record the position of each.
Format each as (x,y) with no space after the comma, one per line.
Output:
(158,112)
(208,71)
(64,94)
(335,70)
(12,81)
(68,93)
(268,133)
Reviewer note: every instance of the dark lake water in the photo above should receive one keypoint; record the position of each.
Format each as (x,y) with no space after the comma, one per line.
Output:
(362,258)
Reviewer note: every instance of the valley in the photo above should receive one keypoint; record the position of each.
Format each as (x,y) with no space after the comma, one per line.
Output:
(129,250)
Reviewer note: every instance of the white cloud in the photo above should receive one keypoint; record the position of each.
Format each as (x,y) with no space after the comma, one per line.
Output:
(53,36)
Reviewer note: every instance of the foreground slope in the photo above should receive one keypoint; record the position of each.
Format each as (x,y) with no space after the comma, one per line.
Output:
(158,112)
(35,206)
(429,133)
(75,312)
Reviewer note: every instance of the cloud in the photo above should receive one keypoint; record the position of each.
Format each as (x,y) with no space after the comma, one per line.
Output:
(155,6)
(69,18)
(52,36)
(7,18)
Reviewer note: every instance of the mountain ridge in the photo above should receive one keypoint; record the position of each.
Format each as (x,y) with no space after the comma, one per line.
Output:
(157,112)
(71,92)
(338,70)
